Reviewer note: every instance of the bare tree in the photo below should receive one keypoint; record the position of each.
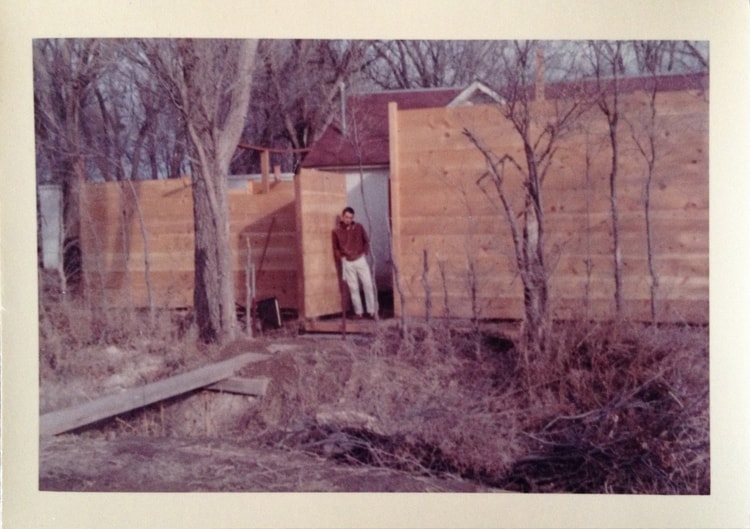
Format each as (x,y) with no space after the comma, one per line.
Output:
(608,66)
(539,125)
(643,131)
(99,90)
(100,116)
(671,56)
(296,93)
(65,75)
(145,128)
(209,82)
(400,64)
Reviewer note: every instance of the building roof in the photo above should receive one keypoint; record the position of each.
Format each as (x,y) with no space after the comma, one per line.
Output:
(661,83)
(364,140)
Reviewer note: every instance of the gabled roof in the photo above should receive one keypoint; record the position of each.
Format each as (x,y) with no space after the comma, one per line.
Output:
(476,94)
(625,85)
(364,140)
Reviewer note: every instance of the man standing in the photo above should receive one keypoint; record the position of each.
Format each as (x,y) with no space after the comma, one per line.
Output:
(350,247)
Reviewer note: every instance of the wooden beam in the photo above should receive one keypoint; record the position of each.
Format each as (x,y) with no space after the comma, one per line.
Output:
(265,163)
(337,325)
(60,421)
(395,189)
(259,148)
(320,197)
(242,386)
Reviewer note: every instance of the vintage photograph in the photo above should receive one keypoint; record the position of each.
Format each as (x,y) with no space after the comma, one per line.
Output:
(297,265)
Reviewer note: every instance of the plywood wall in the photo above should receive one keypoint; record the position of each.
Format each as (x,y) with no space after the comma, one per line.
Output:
(267,221)
(321,196)
(442,209)
(138,242)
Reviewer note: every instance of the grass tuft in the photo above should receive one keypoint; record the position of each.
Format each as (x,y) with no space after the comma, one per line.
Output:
(617,408)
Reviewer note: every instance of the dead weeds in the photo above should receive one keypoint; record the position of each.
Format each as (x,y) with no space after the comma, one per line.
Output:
(614,412)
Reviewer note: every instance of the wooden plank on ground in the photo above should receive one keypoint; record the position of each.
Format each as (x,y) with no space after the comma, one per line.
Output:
(242,386)
(60,421)
(335,325)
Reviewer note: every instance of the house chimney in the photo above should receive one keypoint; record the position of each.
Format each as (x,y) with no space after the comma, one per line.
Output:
(342,90)
(539,78)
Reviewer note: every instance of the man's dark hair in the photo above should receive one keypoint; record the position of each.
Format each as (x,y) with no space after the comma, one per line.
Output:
(348,209)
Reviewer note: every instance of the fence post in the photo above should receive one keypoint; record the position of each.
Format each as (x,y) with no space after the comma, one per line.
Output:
(265,169)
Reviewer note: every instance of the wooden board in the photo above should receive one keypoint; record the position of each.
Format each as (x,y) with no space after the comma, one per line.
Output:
(60,421)
(268,222)
(335,326)
(115,254)
(242,386)
(439,207)
(321,196)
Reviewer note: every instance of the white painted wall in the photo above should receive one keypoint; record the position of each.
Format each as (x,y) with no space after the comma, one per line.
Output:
(50,210)
(368,193)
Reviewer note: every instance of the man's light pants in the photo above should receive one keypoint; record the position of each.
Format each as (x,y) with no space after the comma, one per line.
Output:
(353,272)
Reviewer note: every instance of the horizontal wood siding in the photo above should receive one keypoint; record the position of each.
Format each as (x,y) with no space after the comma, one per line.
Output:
(443,206)
(268,221)
(321,196)
(114,252)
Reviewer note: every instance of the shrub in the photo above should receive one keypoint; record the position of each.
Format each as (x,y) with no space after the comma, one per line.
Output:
(627,414)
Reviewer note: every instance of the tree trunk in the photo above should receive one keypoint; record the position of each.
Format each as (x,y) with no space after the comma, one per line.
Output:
(535,278)
(535,318)
(214,86)
(614,210)
(608,70)
(213,296)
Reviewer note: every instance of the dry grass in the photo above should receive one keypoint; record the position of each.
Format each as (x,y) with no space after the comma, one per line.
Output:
(624,410)
(618,409)
(85,352)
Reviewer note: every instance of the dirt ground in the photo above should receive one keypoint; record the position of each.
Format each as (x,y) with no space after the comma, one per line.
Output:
(442,407)
(309,432)
(147,464)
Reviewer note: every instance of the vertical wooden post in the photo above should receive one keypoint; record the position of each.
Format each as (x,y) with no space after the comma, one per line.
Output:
(277,173)
(344,290)
(393,141)
(539,74)
(253,302)
(249,289)
(265,168)
(426,285)
(300,246)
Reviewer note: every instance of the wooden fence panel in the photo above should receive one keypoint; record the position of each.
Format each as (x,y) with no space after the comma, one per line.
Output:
(116,256)
(320,198)
(122,268)
(440,206)
(267,221)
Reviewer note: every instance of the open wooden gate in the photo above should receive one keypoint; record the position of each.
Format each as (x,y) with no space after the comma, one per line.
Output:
(320,197)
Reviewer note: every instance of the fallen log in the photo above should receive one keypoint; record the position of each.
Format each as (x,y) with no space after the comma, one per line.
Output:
(67,419)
